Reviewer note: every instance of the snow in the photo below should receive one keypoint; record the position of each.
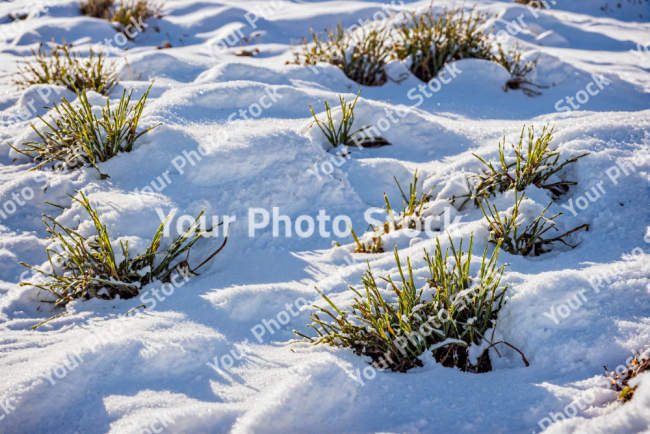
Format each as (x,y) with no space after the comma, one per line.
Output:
(201,359)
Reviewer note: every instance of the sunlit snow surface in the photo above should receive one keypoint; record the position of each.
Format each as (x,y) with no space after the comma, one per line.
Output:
(142,372)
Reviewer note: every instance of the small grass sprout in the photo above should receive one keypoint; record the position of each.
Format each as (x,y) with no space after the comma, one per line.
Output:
(414,212)
(505,232)
(90,267)
(77,137)
(394,334)
(413,208)
(534,165)
(373,244)
(432,41)
(59,65)
(342,135)
(361,54)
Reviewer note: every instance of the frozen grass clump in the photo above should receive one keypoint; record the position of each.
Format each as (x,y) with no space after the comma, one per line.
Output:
(97,8)
(504,230)
(534,165)
(77,137)
(342,135)
(88,267)
(361,54)
(432,41)
(395,331)
(59,65)
(129,12)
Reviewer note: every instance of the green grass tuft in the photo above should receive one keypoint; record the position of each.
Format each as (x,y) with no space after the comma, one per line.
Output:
(123,12)
(88,267)
(129,11)
(361,54)
(395,334)
(533,165)
(59,65)
(77,137)
(342,135)
(429,40)
(504,231)
(432,41)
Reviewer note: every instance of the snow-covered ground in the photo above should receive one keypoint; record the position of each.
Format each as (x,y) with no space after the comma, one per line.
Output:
(570,312)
